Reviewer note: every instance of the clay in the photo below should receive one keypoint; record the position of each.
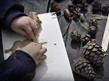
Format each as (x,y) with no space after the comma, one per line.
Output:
(17,44)
(35,17)
(20,44)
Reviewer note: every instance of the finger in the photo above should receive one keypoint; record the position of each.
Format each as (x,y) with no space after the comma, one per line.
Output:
(43,57)
(34,27)
(30,32)
(38,45)
(42,51)
(22,32)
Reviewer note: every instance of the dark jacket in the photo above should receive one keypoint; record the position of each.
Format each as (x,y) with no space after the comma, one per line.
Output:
(19,66)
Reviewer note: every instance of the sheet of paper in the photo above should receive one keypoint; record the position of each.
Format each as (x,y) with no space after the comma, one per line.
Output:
(105,40)
(56,67)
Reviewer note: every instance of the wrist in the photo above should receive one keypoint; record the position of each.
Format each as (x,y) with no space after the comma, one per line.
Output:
(14,14)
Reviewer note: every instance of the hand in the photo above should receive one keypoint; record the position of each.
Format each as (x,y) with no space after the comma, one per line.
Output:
(25,26)
(36,51)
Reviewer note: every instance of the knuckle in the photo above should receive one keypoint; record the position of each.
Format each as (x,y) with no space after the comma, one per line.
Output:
(26,23)
(39,44)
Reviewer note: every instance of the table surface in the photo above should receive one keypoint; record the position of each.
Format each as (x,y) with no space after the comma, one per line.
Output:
(40,6)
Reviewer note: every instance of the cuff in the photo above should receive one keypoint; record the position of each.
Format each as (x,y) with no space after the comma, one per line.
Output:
(18,67)
(21,59)
(23,56)
(11,16)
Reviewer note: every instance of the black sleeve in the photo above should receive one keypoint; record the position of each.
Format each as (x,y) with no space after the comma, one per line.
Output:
(9,10)
(18,67)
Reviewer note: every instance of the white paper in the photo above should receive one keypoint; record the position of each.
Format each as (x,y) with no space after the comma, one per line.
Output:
(56,67)
(105,40)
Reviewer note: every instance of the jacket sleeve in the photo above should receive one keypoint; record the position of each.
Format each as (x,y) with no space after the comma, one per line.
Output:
(18,67)
(9,10)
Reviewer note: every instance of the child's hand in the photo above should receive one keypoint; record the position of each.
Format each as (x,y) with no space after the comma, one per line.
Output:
(36,51)
(25,26)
